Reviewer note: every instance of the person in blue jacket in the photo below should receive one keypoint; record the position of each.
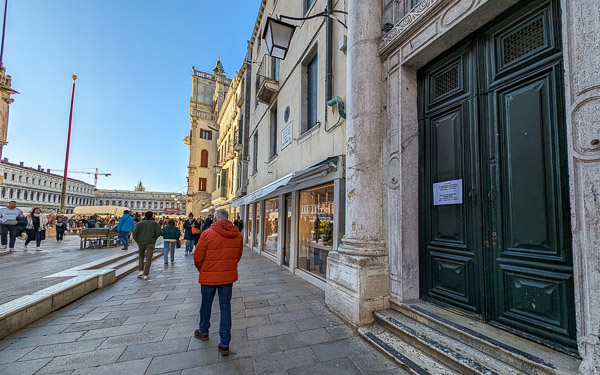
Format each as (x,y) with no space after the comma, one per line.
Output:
(125,227)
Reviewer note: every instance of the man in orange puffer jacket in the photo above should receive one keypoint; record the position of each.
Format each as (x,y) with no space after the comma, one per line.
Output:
(216,257)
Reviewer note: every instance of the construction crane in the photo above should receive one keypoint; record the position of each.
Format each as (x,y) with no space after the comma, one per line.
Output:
(96,174)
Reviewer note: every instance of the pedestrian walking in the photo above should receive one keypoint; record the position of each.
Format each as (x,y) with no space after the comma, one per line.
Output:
(125,227)
(36,228)
(171,235)
(191,229)
(208,222)
(216,258)
(12,224)
(145,234)
(90,222)
(239,223)
(61,227)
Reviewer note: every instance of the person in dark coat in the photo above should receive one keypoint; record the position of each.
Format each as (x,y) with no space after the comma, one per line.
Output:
(61,227)
(36,228)
(188,236)
(239,223)
(208,222)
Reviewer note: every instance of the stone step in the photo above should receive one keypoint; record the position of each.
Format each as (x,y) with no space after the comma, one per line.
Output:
(409,358)
(454,354)
(129,265)
(515,351)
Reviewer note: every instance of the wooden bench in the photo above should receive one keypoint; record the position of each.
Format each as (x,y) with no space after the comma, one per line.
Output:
(96,238)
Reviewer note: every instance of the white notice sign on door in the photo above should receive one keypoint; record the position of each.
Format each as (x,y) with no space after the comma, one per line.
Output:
(448,192)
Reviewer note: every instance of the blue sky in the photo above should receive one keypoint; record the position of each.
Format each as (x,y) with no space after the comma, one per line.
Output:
(133,59)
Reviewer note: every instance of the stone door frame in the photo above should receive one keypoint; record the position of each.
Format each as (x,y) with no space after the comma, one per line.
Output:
(423,34)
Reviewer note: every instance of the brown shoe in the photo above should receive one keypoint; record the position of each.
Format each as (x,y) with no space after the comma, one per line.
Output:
(224,351)
(200,336)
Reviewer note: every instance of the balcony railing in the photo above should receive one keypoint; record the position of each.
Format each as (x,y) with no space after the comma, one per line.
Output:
(267,79)
(219,193)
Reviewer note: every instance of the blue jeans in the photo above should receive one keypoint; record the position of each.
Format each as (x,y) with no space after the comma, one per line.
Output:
(189,246)
(208,295)
(124,238)
(169,246)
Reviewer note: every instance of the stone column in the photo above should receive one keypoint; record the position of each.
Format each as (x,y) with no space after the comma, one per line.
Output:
(357,272)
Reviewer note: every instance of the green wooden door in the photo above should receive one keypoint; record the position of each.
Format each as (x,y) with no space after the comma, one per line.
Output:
(492,122)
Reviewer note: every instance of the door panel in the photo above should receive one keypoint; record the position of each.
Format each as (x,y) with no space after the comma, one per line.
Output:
(533,275)
(529,194)
(453,250)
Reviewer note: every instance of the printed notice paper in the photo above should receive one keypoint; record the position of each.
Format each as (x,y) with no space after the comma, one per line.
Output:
(448,192)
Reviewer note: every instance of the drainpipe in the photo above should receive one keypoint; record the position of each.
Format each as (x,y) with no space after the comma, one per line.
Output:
(328,57)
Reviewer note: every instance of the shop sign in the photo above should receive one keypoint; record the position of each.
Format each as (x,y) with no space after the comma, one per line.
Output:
(448,192)
(171,210)
(286,135)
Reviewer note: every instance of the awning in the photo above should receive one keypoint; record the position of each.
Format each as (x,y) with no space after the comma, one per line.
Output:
(262,192)
(100,210)
(318,169)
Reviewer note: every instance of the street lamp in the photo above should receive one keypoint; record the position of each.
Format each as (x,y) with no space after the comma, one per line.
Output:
(217,168)
(278,34)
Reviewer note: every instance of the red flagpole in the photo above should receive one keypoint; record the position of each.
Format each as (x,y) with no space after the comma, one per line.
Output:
(64,187)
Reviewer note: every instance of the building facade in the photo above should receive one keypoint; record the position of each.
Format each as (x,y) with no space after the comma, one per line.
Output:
(481,129)
(208,94)
(459,196)
(232,162)
(293,211)
(31,187)
(140,200)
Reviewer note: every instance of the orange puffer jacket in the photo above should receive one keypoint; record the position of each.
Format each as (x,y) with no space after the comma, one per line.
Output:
(218,253)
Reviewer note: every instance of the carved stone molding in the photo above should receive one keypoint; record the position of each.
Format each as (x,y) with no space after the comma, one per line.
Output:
(406,22)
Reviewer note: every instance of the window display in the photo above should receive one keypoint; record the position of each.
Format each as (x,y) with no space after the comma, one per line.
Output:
(249,223)
(257,217)
(271,226)
(288,229)
(316,229)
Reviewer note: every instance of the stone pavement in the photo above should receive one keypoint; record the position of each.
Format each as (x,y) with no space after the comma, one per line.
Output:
(281,325)
(23,272)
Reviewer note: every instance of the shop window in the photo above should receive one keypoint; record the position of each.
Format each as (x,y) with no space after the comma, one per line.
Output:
(271,226)
(248,225)
(273,132)
(257,217)
(204,159)
(288,229)
(205,134)
(202,184)
(315,232)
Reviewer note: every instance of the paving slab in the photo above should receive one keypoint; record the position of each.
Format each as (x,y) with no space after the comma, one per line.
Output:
(281,325)
(123,368)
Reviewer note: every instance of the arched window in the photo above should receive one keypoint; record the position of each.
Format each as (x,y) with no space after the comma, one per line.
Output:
(204,159)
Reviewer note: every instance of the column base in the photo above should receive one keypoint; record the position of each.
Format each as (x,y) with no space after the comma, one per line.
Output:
(357,286)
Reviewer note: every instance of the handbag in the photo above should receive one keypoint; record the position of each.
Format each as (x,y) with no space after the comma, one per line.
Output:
(195,230)
(178,244)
